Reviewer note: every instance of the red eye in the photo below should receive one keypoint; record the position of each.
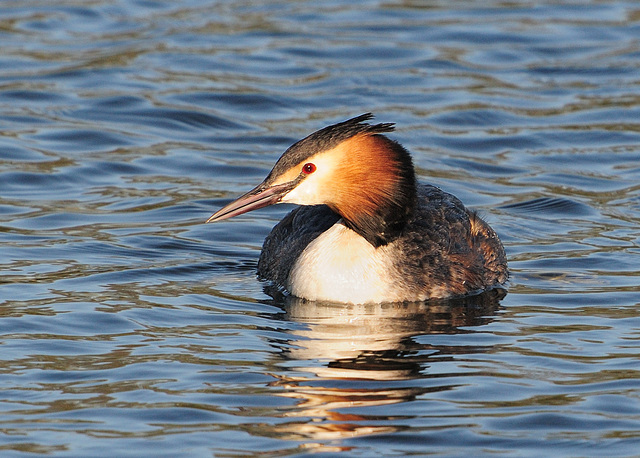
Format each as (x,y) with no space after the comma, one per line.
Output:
(308,168)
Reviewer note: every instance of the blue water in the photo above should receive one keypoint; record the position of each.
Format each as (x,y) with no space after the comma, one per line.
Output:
(130,328)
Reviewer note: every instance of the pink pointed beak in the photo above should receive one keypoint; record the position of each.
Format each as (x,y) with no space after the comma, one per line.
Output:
(258,197)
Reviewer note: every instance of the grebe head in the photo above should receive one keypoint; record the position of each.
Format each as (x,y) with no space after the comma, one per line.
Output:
(360,174)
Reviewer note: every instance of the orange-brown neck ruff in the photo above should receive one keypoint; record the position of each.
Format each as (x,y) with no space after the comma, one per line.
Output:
(374,188)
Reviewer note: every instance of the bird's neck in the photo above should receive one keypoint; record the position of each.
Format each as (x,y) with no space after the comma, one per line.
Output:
(379,204)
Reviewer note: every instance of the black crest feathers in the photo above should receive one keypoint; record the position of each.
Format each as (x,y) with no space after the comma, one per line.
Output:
(327,138)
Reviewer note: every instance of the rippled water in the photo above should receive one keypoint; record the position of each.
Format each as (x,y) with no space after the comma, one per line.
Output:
(130,328)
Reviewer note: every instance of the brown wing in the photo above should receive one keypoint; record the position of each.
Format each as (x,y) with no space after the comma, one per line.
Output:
(448,250)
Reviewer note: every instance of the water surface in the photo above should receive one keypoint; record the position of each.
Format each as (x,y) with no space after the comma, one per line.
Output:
(129,326)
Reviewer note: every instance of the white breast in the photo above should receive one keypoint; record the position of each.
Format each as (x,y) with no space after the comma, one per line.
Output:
(341,266)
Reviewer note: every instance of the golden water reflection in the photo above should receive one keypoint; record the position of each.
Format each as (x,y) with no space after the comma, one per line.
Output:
(350,358)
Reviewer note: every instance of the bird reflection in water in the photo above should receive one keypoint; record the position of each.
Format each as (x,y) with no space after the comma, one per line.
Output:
(349,357)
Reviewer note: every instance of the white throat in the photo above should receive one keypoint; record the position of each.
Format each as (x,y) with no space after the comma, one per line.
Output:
(341,266)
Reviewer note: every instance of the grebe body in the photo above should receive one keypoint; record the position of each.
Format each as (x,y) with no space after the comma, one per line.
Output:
(366,231)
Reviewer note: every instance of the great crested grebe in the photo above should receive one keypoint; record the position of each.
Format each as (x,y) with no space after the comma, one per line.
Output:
(366,231)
